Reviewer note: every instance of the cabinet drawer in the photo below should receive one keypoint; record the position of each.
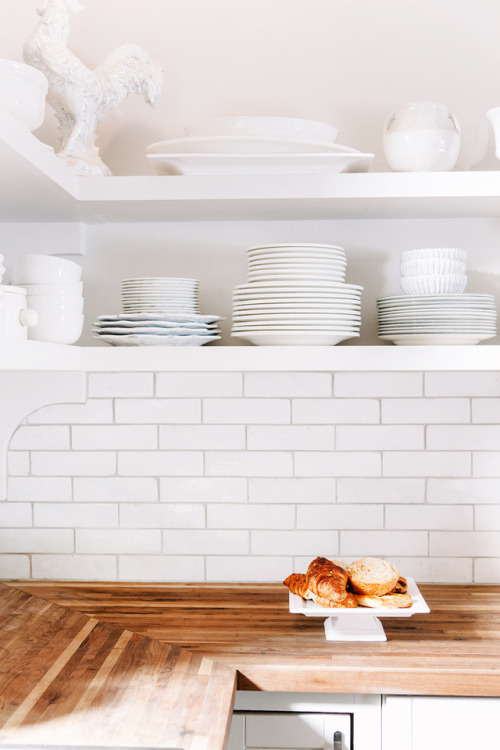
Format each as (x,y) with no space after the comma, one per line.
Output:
(290,731)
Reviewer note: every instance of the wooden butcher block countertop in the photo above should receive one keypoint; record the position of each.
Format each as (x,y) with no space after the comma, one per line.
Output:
(156,665)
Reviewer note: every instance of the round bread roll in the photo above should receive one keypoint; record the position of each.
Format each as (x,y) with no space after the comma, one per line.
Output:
(373,576)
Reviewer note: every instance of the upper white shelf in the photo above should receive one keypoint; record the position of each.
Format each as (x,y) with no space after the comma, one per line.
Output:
(36,187)
(35,355)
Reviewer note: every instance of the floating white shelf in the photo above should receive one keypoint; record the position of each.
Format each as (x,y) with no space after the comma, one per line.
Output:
(35,186)
(34,355)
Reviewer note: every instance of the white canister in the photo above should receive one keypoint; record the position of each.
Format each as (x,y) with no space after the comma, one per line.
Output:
(15,318)
(421,137)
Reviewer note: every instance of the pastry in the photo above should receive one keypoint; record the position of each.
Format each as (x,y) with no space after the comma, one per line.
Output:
(349,600)
(387,600)
(372,576)
(297,584)
(327,580)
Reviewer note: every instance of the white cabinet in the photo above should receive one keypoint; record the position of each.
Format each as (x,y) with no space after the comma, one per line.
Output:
(305,721)
(435,723)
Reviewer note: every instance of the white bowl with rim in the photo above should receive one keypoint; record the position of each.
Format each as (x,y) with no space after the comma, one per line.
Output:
(57,328)
(63,289)
(43,269)
(23,89)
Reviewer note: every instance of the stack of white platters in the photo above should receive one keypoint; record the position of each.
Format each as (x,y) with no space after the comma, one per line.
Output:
(461,319)
(296,295)
(157,329)
(158,311)
(256,145)
(160,294)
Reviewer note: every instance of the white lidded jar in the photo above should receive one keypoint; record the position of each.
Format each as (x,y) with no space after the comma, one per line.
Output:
(15,317)
(421,137)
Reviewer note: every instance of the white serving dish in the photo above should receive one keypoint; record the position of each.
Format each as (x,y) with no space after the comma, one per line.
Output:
(263,126)
(443,284)
(22,92)
(211,164)
(226,144)
(43,269)
(357,623)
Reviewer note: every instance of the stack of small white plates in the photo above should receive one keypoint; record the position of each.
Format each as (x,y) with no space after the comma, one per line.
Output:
(461,319)
(160,294)
(296,295)
(157,329)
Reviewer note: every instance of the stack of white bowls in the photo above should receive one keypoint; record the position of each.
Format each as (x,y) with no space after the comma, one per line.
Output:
(296,294)
(55,290)
(435,270)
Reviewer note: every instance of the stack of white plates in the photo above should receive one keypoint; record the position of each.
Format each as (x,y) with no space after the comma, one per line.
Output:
(437,318)
(296,295)
(254,144)
(157,329)
(160,294)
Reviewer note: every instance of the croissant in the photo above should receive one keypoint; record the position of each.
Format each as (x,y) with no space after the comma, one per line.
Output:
(327,580)
(348,601)
(297,584)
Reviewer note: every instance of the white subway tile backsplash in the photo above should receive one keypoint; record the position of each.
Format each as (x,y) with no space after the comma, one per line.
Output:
(199,384)
(114,437)
(162,516)
(248,463)
(73,463)
(425,410)
(246,411)
(160,463)
(75,567)
(202,437)
(115,384)
(337,517)
(75,515)
(290,437)
(115,489)
(337,464)
(14,567)
(248,476)
(378,384)
(427,464)
(253,516)
(291,490)
(287,384)
(380,438)
(117,541)
(335,411)
(203,489)
(382,490)
(40,489)
(157,411)
(39,438)
(161,568)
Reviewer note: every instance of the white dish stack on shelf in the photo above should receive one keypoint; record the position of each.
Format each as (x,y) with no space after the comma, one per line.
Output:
(435,308)
(256,145)
(296,295)
(158,311)
(55,291)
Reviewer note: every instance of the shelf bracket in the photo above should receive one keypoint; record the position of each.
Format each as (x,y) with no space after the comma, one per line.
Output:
(24,392)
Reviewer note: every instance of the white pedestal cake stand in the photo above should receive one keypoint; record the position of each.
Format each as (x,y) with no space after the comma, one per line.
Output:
(358,623)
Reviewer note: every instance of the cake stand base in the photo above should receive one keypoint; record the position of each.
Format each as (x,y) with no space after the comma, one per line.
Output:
(351,628)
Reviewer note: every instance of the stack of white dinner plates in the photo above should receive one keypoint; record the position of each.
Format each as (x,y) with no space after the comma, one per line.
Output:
(461,319)
(160,294)
(158,312)
(253,145)
(296,295)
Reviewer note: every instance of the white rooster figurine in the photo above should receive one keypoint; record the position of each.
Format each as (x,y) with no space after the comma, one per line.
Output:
(80,96)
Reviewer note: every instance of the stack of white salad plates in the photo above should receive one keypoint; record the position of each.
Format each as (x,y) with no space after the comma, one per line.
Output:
(461,319)
(158,312)
(256,145)
(296,295)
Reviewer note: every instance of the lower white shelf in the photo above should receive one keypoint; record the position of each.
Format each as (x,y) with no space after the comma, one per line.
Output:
(36,355)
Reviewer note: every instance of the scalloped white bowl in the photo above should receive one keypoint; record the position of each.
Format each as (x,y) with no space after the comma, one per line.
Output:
(445,284)
(432,267)
(453,253)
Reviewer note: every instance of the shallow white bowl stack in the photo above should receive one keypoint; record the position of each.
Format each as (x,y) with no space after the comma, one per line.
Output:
(256,145)
(435,308)
(158,311)
(55,291)
(296,295)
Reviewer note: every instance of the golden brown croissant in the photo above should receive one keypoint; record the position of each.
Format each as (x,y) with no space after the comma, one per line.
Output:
(327,580)
(297,584)
(349,600)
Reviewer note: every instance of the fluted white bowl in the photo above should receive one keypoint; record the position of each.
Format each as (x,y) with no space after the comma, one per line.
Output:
(445,284)
(432,267)
(453,253)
